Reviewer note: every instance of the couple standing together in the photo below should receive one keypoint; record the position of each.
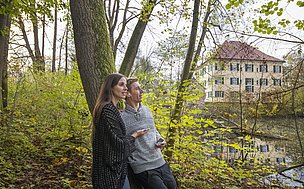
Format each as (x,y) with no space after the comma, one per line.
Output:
(127,137)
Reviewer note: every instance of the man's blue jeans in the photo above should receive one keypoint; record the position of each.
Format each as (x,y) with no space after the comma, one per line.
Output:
(126,184)
(159,178)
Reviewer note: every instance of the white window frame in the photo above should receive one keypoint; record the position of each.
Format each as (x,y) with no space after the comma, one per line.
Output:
(277,82)
(263,81)
(234,67)
(219,94)
(249,67)
(234,81)
(277,69)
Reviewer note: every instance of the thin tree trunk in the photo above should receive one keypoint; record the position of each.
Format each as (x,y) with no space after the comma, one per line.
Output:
(27,43)
(202,38)
(39,63)
(93,49)
(60,48)
(123,27)
(135,39)
(43,37)
(66,49)
(295,116)
(54,40)
(175,117)
(5,24)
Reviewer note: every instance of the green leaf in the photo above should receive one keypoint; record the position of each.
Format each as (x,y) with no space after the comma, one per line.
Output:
(228,6)
(300,3)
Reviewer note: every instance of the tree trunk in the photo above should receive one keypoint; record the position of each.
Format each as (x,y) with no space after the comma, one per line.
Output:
(24,35)
(43,37)
(202,38)
(66,49)
(5,24)
(39,62)
(60,49)
(135,39)
(175,117)
(92,43)
(54,40)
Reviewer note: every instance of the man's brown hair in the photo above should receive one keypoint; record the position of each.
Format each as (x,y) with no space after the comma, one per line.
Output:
(130,81)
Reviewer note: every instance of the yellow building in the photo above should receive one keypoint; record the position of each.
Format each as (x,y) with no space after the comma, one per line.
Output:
(238,69)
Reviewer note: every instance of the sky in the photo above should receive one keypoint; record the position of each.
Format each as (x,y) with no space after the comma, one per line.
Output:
(272,47)
(153,34)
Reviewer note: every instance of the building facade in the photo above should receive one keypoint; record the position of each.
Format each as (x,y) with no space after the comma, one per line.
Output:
(240,70)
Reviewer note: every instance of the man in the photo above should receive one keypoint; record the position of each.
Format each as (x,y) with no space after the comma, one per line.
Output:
(147,162)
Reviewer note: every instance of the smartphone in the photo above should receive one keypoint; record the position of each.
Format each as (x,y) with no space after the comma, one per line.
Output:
(160,142)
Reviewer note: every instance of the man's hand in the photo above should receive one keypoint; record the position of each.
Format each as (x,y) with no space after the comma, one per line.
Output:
(161,143)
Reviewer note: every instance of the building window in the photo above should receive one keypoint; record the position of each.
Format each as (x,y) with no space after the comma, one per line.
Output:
(219,94)
(219,67)
(249,85)
(280,160)
(249,89)
(217,148)
(248,67)
(276,69)
(264,68)
(277,82)
(204,70)
(209,94)
(234,67)
(234,81)
(219,80)
(263,82)
(264,148)
(209,68)
(248,81)
(232,150)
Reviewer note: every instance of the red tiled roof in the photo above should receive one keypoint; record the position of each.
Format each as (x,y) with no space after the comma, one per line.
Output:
(236,50)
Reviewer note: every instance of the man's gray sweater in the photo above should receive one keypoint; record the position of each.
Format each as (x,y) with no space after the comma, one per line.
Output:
(146,156)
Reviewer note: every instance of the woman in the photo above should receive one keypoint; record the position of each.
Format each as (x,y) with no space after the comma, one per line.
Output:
(111,146)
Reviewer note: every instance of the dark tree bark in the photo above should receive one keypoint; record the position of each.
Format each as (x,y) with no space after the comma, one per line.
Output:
(36,57)
(5,24)
(43,36)
(25,38)
(66,49)
(135,39)
(38,64)
(54,40)
(93,50)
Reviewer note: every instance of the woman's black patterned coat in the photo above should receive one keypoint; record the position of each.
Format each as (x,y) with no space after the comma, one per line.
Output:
(111,148)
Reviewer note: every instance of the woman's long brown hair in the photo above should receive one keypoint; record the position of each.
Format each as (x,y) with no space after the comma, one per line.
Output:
(105,95)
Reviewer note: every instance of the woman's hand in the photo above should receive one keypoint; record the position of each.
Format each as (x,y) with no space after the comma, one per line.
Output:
(140,132)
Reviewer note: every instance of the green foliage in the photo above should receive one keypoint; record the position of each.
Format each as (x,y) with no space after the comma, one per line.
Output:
(196,162)
(265,23)
(45,135)
(233,3)
(16,8)
(146,10)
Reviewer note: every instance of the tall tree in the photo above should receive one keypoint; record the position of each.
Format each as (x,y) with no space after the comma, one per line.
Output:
(93,49)
(5,24)
(175,117)
(39,60)
(54,39)
(135,39)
